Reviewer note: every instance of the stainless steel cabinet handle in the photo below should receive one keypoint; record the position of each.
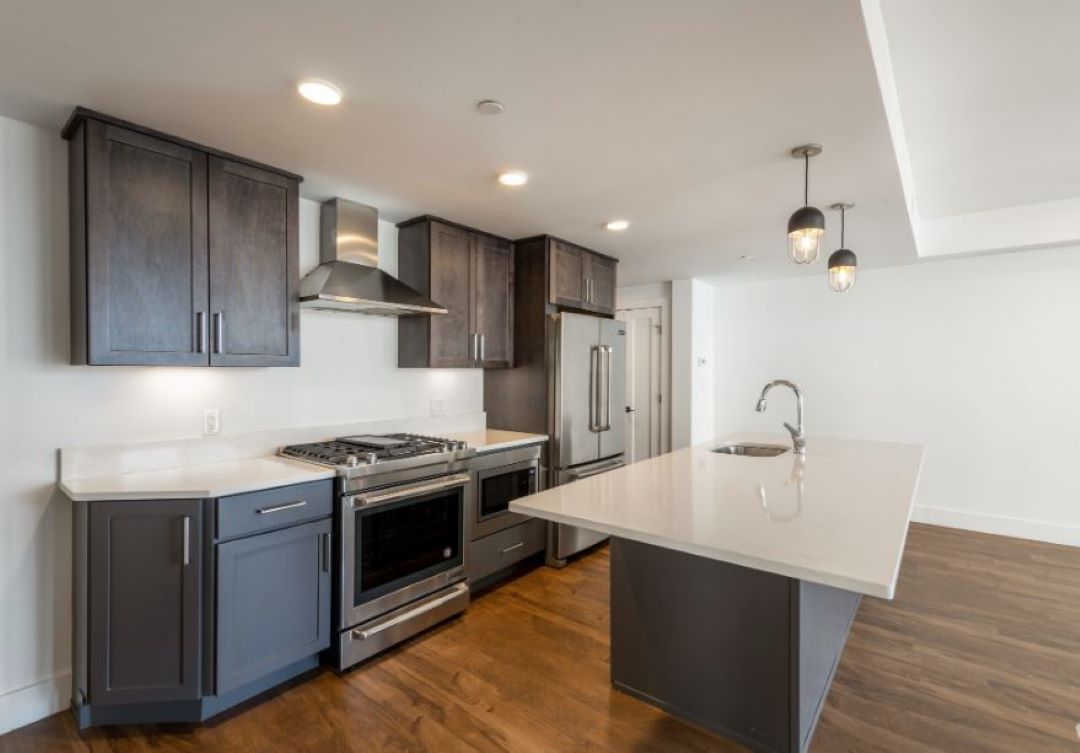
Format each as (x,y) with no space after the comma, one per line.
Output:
(219,331)
(326,552)
(512,547)
(279,508)
(367,500)
(483,347)
(200,331)
(187,541)
(405,616)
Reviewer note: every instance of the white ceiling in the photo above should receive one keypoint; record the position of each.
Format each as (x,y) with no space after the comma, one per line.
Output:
(676,116)
(983,100)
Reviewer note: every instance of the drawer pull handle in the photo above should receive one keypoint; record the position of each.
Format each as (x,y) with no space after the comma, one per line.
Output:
(371,632)
(279,508)
(512,547)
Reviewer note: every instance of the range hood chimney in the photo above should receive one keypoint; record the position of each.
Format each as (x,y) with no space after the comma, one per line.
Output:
(348,277)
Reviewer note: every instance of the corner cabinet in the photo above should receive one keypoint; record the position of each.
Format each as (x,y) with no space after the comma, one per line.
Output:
(184,608)
(471,274)
(180,255)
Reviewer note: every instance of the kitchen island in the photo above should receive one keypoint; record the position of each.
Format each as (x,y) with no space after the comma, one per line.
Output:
(734,579)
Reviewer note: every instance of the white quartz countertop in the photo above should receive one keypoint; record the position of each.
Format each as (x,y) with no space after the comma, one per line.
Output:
(837,516)
(196,481)
(494,440)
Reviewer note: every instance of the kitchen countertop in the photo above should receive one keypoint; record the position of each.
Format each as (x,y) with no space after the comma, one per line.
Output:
(495,440)
(838,516)
(196,481)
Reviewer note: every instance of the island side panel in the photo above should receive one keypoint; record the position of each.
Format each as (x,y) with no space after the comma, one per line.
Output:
(825,617)
(707,641)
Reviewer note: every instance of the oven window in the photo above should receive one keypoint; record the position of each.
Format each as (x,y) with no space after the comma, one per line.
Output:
(404,542)
(498,490)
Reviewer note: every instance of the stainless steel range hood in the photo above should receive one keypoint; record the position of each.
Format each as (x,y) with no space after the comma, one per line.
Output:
(348,277)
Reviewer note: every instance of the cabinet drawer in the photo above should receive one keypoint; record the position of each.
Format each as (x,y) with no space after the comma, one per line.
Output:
(243,514)
(492,553)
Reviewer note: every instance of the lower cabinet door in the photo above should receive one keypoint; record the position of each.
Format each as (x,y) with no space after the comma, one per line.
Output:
(273,602)
(144,601)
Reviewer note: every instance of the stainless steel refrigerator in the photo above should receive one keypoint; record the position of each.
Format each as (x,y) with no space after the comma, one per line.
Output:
(587,380)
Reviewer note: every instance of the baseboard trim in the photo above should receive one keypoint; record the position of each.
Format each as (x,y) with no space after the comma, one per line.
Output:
(1002,525)
(38,700)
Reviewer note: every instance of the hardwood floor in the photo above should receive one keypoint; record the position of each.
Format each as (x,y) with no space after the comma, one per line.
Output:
(980,651)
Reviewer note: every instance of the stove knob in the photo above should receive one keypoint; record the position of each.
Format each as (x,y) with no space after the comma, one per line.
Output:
(352,461)
(370,457)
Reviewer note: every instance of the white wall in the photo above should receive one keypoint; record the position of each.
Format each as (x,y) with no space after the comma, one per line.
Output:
(348,374)
(692,367)
(977,358)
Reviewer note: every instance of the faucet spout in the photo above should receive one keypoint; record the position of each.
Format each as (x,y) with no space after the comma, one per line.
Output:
(798,437)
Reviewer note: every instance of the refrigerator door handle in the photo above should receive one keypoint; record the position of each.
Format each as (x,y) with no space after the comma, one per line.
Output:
(594,388)
(605,351)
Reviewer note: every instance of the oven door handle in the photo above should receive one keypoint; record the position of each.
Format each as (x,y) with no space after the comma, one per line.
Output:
(369,500)
(364,634)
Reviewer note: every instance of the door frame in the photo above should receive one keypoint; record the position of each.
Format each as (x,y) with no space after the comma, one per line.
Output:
(664,304)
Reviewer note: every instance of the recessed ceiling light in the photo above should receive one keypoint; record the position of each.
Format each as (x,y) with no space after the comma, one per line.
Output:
(513,178)
(617,225)
(318,91)
(490,107)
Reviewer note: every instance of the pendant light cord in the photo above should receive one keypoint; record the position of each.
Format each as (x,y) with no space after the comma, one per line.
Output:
(842,210)
(806,180)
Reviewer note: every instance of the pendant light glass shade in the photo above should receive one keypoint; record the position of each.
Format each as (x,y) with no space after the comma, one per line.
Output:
(806,227)
(841,270)
(842,262)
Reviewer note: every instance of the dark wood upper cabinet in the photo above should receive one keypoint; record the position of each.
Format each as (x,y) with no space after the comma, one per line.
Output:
(180,254)
(493,300)
(471,274)
(145,574)
(254,310)
(579,278)
(567,274)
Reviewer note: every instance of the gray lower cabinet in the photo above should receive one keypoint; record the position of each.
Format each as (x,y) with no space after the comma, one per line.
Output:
(184,608)
(273,602)
(493,554)
(144,601)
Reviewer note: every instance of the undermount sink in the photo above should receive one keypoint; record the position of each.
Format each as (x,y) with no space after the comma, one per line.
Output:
(752,450)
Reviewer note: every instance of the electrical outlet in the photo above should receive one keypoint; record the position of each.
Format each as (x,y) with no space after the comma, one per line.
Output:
(211,424)
(436,406)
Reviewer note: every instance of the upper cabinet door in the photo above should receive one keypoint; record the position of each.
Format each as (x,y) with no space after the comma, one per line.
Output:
(145,259)
(600,287)
(254,309)
(567,275)
(493,296)
(451,338)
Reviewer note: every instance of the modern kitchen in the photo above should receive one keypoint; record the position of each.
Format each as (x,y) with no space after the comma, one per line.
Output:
(579,376)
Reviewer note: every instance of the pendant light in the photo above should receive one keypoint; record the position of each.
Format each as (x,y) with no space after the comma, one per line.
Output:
(842,262)
(806,228)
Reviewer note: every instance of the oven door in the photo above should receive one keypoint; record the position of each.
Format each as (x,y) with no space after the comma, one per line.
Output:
(496,488)
(400,543)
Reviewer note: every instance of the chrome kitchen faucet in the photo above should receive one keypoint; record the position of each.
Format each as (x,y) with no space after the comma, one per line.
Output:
(798,439)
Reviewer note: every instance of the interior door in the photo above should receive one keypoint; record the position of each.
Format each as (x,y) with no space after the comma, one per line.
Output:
(612,387)
(577,367)
(642,382)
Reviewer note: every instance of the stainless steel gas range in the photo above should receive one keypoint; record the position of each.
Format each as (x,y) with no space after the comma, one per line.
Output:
(400,533)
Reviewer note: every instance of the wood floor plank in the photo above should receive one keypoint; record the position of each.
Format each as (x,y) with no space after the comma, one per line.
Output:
(980,651)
